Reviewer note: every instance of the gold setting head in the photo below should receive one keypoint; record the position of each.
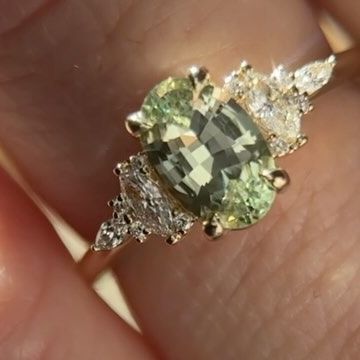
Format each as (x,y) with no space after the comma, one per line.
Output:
(278,178)
(213,228)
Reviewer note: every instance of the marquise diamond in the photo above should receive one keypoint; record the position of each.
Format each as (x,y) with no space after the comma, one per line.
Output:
(312,77)
(279,100)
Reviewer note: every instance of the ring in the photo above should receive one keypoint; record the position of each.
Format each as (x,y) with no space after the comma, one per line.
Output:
(209,152)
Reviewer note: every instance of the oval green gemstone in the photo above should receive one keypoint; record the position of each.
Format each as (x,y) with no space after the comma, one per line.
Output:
(208,153)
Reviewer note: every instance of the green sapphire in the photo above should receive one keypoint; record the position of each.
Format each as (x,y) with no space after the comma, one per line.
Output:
(208,152)
(248,198)
(169,102)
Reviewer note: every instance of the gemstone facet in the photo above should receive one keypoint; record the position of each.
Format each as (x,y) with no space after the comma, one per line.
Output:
(278,101)
(146,202)
(215,152)
(142,208)
(249,198)
(169,102)
(208,152)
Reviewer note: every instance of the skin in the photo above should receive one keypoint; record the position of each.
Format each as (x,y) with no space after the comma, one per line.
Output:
(288,288)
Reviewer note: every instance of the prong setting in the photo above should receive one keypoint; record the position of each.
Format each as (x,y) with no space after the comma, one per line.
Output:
(213,228)
(135,123)
(278,178)
(302,140)
(199,76)
(174,238)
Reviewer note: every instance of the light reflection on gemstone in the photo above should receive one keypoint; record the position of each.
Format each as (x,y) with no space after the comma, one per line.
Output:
(247,199)
(169,101)
(202,163)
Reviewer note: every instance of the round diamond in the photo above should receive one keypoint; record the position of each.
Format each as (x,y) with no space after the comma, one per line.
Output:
(278,146)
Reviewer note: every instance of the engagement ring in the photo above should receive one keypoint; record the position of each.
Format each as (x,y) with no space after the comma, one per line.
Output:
(209,151)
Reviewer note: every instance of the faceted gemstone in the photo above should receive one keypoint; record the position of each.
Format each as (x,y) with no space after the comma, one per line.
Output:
(279,100)
(278,146)
(313,76)
(212,164)
(147,203)
(170,102)
(248,198)
(111,234)
(141,192)
(271,100)
(141,208)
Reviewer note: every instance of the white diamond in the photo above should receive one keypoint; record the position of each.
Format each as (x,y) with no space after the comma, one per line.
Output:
(258,101)
(119,205)
(301,102)
(183,222)
(275,113)
(147,202)
(278,146)
(281,78)
(236,84)
(138,231)
(278,101)
(110,235)
(312,77)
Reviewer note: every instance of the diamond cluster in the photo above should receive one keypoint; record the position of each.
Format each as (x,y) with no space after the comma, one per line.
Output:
(142,208)
(278,101)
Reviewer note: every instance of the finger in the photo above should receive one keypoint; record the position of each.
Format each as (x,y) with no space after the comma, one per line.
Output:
(287,288)
(46,311)
(185,296)
(347,12)
(67,85)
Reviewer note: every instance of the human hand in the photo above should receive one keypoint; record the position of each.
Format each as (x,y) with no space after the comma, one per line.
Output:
(287,288)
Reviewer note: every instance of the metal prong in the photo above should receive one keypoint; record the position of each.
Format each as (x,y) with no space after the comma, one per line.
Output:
(117,169)
(174,238)
(213,228)
(278,178)
(95,248)
(245,66)
(135,123)
(140,240)
(302,140)
(120,168)
(198,75)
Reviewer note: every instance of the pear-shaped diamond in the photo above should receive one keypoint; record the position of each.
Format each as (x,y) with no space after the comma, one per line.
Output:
(111,234)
